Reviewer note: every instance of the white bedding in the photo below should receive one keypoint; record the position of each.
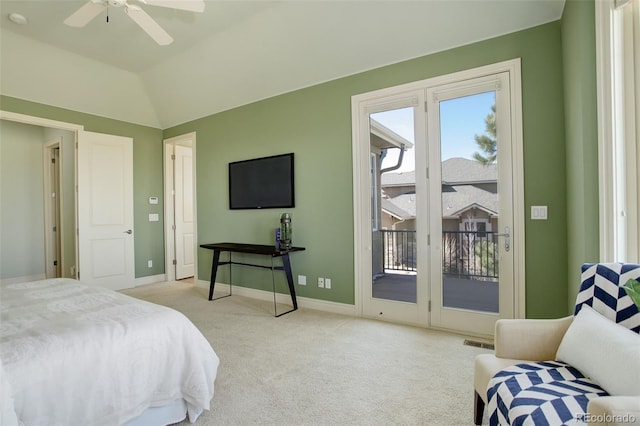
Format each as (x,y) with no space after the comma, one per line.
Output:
(73,354)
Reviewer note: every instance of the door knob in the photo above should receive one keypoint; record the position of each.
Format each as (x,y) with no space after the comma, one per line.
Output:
(507,238)
(128,231)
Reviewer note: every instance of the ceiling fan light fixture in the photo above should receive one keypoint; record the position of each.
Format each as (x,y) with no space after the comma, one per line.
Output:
(17,18)
(93,8)
(117,3)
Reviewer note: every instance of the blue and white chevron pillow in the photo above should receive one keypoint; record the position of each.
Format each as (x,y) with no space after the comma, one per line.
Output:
(601,289)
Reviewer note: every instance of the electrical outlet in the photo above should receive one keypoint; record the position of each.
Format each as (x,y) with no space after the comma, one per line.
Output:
(302,280)
(321,282)
(327,283)
(150,263)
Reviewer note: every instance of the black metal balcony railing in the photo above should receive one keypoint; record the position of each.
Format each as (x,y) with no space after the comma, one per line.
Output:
(399,250)
(470,254)
(464,253)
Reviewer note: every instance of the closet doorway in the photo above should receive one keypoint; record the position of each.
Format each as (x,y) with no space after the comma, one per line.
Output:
(53,253)
(180,206)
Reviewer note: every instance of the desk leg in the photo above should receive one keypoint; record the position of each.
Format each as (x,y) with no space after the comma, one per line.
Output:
(214,271)
(287,270)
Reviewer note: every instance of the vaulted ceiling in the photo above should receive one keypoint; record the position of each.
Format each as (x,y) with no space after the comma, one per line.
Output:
(234,53)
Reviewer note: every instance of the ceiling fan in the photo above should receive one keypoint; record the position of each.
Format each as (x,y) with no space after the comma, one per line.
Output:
(92,8)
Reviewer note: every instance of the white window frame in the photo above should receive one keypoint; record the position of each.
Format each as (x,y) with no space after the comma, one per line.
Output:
(618,94)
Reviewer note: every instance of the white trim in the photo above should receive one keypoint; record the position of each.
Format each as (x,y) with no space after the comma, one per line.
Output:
(303,302)
(151,279)
(169,217)
(618,123)
(75,128)
(605,129)
(519,211)
(38,121)
(52,240)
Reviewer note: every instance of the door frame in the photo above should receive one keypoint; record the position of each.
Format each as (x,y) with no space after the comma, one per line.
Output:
(52,215)
(53,124)
(361,184)
(169,203)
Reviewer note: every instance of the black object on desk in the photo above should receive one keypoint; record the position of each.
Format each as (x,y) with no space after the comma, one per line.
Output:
(253,249)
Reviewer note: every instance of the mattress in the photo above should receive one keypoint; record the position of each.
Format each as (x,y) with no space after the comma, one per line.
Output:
(74,354)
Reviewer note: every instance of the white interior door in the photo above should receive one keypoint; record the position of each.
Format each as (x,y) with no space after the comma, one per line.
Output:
(105,210)
(184,235)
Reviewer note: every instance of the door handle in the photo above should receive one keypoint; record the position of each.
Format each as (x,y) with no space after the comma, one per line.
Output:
(128,231)
(507,238)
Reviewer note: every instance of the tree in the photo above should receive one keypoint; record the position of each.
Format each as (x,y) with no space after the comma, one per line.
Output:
(487,141)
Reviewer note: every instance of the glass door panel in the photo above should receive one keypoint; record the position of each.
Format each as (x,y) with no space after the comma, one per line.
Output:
(393,205)
(470,206)
(471,199)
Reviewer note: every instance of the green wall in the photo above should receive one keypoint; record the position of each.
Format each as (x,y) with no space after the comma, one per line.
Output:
(148,171)
(579,59)
(21,206)
(315,123)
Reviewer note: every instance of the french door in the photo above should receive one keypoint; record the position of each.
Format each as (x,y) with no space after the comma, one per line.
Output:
(395,234)
(471,198)
(438,203)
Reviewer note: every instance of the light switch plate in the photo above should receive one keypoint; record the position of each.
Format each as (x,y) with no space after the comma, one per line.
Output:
(538,212)
(154,217)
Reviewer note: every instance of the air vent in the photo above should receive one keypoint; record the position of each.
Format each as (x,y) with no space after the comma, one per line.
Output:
(478,344)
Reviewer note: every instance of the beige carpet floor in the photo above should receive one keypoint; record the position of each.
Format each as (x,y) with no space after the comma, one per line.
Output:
(316,368)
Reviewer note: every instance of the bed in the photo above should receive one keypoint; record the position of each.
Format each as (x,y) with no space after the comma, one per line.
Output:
(74,354)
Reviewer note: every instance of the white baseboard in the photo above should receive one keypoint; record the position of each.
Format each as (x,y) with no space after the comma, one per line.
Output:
(303,302)
(151,279)
(25,279)
(139,281)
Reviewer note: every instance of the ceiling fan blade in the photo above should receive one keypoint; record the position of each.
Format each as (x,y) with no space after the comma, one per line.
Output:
(85,14)
(189,5)
(150,26)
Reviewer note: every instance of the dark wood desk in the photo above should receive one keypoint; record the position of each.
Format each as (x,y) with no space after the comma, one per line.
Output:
(259,249)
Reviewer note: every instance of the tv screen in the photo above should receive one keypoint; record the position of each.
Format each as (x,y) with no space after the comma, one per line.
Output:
(262,183)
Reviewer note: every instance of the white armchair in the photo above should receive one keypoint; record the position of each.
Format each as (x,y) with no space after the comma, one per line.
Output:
(518,342)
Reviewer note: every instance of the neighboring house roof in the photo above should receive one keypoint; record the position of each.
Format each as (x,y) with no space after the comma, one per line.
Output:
(462,170)
(398,179)
(402,207)
(460,192)
(455,171)
(383,137)
(461,198)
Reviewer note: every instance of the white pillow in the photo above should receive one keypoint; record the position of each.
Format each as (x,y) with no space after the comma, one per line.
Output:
(604,351)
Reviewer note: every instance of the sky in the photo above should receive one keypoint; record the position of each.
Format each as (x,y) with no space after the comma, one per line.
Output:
(460,120)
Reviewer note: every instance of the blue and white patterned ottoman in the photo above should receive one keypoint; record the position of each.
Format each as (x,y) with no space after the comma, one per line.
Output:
(540,393)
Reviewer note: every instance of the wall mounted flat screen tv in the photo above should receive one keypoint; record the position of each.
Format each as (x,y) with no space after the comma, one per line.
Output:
(262,183)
